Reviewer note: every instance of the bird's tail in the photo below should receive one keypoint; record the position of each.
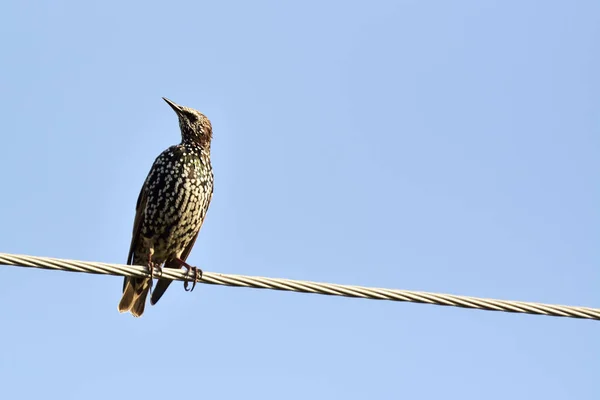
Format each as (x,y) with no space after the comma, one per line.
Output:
(134,296)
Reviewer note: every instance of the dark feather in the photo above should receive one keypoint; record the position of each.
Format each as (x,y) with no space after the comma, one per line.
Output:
(137,225)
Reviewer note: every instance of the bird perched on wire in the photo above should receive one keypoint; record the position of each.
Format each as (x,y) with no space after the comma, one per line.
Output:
(170,209)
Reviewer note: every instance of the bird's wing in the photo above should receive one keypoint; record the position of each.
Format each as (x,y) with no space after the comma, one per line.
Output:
(137,225)
(137,222)
(163,284)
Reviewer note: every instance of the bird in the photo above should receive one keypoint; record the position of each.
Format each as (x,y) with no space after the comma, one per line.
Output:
(171,209)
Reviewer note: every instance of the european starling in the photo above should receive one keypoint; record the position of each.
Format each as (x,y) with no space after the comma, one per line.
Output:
(170,209)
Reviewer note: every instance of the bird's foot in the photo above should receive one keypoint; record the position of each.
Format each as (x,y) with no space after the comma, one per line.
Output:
(152,265)
(153,273)
(197,272)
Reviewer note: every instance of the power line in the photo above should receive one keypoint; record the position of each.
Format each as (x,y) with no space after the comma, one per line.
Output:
(307,287)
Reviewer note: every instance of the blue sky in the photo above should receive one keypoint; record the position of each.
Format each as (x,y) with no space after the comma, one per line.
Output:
(445,146)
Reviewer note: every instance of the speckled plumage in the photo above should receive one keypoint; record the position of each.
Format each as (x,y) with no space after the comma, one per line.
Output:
(171,207)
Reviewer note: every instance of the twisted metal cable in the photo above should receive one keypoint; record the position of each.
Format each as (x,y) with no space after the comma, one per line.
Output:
(307,287)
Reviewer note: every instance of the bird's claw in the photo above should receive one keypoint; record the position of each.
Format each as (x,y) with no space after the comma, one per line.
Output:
(196,271)
(197,274)
(151,267)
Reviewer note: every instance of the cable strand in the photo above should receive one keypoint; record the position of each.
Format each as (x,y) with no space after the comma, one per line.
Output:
(331,289)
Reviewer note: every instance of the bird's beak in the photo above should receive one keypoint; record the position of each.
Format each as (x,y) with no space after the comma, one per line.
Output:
(173,105)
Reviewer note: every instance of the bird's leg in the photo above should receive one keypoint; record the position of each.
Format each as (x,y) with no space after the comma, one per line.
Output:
(150,266)
(197,273)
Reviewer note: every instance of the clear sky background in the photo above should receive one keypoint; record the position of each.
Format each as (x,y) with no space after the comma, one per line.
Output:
(444,146)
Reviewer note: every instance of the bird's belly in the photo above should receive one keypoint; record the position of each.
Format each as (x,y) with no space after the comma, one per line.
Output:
(176,218)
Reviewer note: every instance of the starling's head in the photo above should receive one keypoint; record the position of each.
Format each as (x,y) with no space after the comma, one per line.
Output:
(195,127)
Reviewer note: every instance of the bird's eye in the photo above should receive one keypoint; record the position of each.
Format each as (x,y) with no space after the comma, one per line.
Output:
(191,116)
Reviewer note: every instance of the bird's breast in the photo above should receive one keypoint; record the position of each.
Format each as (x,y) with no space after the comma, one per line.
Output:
(179,188)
